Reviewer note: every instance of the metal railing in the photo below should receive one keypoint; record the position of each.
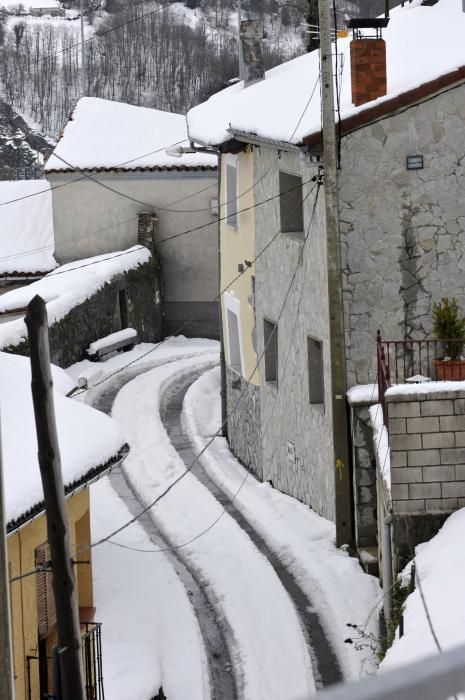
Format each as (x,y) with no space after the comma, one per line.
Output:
(92,661)
(401,361)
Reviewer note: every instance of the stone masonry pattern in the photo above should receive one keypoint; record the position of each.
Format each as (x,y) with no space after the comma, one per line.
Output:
(427,440)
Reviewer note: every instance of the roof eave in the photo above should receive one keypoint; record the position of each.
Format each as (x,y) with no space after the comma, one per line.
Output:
(70,489)
(395,105)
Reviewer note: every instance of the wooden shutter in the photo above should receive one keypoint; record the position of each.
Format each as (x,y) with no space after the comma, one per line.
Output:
(46,613)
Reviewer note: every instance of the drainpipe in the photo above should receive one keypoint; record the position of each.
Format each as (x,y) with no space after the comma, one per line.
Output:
(387,572)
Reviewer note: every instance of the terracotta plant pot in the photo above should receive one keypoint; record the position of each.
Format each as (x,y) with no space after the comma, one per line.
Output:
(449,370)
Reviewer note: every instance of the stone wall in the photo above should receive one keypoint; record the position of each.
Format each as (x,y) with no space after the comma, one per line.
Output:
(102,313)
(290,289)
(402,232)
(244,436)
(364,476)
(427,453)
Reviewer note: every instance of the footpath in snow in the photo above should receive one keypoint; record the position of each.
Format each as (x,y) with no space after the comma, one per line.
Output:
(305,542)
(268,647)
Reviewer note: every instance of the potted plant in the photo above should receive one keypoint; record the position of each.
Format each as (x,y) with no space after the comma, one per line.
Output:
(449,327)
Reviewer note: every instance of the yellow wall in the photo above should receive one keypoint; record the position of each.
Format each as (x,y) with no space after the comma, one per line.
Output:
(21,547)
(238,245)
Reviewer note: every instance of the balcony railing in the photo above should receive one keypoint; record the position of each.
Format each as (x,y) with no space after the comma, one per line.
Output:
(92,661)
(407,361)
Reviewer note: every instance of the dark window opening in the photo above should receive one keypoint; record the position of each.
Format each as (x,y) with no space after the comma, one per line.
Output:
(123,308)
(270,331)
(291,204)
(315,371)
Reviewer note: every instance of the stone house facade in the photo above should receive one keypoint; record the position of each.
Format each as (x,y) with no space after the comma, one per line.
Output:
(401,216)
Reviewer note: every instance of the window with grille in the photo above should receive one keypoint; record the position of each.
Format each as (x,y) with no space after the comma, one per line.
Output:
(315,371)
(291,204)
(270,339)
(231,191)
(46,613)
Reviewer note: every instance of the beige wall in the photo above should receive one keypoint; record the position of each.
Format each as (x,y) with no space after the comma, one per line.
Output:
(21,546)
(237,246)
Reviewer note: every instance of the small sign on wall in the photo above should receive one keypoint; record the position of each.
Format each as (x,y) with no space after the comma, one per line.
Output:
(291,452)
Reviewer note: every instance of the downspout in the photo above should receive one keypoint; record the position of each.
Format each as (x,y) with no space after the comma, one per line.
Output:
(387,572)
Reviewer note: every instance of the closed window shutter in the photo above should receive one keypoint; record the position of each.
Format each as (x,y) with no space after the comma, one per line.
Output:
(46,612)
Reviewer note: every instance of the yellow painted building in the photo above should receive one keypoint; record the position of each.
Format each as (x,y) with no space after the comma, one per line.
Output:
(237,235)
(32,607)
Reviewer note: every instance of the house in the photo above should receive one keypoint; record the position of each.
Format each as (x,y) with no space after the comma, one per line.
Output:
(111,174)
(401,186)
(90,445)
(36,8)
(26,232)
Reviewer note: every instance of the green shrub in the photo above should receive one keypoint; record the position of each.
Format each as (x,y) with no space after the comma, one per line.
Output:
(449,325)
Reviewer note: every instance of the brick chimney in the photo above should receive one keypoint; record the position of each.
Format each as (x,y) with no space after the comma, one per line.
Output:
(368,70)
(251,36)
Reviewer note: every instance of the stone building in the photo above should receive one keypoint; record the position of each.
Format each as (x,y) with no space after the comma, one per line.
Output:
(110,167)
(401,215)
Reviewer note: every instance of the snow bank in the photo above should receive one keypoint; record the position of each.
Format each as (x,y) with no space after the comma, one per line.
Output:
(26,227)
(150,635)
(424,388)
(381,443)
(105,134)
(67,287)
(441,568)
(362,394)
(87,438)
(267,640)
(272,108)
(341,592)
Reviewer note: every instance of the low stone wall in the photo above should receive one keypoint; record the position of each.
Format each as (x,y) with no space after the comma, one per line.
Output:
(132,299)
(364,476)
(244,433)
(427,456)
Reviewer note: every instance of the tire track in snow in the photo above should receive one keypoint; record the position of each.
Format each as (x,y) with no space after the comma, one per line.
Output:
(325,664)
(222,680)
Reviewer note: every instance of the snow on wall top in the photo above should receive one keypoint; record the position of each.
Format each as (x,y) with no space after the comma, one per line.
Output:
(87,438)
(67,287)
(102,134)
(26,227)
(422,44)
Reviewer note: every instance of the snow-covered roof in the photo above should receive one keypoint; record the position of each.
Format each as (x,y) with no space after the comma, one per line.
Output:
(67,287)
(26,227)
(88,438)
(106,135)
(422,43)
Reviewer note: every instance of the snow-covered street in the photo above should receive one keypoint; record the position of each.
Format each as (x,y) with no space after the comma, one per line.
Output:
(272,592)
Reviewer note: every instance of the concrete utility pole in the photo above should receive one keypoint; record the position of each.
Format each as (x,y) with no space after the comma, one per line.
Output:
(83,55)
(6,657)
(64,584)
(344,533)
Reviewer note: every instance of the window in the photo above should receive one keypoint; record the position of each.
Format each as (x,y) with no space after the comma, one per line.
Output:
(231,191)
(270,333)
(234,342)
(46,614)
(315,371)
(291,204)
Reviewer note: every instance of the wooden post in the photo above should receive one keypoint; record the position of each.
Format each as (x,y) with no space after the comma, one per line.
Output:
(6,664)
(64,585)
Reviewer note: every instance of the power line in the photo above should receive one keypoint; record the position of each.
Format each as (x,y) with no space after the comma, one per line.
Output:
(162,240)
(236,494)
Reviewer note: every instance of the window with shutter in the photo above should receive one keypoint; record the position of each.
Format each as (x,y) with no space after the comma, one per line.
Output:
(46,613)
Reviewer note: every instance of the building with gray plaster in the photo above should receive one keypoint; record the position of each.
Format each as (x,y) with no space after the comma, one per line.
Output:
(109,167)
